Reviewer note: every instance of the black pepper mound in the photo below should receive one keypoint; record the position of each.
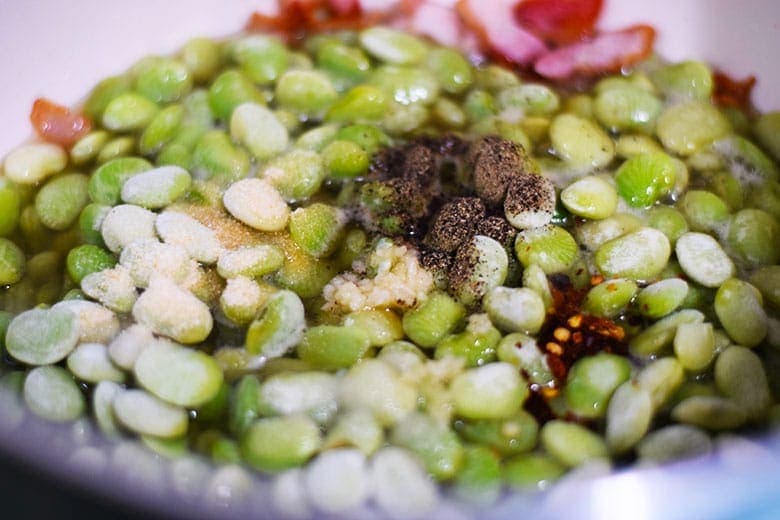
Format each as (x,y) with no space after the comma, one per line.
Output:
(386,163)
(454,223)
(499,229)
(530,193)
(403,186)
(437,263)
(419,166)
(495,162)
(463,265)
(393,207)
(439,192)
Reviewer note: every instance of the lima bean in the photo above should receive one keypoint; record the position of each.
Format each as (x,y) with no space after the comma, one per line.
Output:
(572,444)
(50,392)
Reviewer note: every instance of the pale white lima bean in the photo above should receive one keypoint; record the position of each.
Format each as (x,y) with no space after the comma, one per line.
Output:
(179,229)
(256,203)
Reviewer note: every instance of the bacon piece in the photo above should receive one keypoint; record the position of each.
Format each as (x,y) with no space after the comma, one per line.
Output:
(344,7)
(607,52)
(495,25)
(559,21)
(293,18)
(262,22)
(298,17)
(438,22)
(730,92)
(57,124)
(355,21)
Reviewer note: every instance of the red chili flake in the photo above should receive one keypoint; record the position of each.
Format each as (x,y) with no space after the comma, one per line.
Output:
(557,367)
(289,23)
(536,405)
(553,348)
(296,18)
(730,92)
(573,333)
(562,334)
(58,124)
(569,335)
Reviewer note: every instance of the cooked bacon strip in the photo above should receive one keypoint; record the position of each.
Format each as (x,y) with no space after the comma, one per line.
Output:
(291,19)
(344,7)
(297,17)
(354,21)
(730,92)
(479,27)
(57,124)
(494,23)
(607,52)
(438,22)
(559,21)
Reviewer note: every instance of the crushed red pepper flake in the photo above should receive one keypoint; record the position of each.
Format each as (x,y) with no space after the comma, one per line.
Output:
(569,335)
(554,348)
(575,321)
(562,334)
(297,18)
(589,334)
(730,92)
(537,404)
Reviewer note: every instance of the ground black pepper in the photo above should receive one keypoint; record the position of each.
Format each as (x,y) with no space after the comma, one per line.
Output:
(409,194)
